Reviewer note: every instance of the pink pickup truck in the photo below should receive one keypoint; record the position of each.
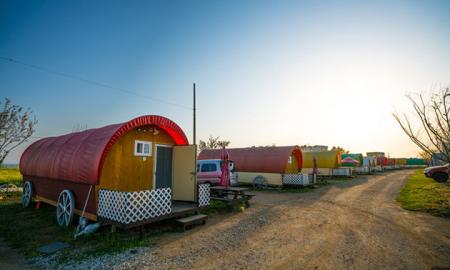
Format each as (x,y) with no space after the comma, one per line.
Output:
(209,171)
(438,173)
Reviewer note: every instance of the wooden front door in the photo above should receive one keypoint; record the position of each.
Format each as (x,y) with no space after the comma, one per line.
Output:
(184,179)
(163,172)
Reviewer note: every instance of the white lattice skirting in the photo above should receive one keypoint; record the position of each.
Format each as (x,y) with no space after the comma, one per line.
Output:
(363,169)
(203,195)
(377,169)
(342,172)
(296,179)
(130,207)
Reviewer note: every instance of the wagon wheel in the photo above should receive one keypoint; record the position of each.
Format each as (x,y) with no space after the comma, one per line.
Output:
(260,182)
(65,207)
(27,193)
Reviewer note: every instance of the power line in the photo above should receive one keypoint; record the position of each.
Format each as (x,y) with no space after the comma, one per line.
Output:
(88,81)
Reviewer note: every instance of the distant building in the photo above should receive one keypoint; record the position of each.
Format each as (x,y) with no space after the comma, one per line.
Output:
(438,159)
(375,154)
(314,148)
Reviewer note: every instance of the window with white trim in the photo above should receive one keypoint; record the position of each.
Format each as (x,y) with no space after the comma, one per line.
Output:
(143,148)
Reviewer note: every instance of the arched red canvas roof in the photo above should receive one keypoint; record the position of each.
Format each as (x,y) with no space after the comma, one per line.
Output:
(258,159)
(79,156)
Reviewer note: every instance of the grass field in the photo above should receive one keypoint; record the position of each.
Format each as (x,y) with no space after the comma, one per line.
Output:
(10,175)
(425,195)
(27,229)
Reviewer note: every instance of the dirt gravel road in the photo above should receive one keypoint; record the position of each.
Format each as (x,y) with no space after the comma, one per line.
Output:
(353,225)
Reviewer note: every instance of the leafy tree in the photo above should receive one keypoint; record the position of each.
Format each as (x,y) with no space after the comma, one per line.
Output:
(340,149)
(212,143)
(16,126)
(269,145)
(433,133)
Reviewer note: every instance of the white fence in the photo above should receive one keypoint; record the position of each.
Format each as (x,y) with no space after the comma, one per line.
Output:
(203,195)
(130,207)
(297,180)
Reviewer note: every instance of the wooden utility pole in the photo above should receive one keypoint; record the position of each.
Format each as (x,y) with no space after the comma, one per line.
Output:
(195,138)
(194,111)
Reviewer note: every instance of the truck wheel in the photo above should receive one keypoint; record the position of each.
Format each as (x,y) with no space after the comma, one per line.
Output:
(27,193)
(440,177)
(65,208)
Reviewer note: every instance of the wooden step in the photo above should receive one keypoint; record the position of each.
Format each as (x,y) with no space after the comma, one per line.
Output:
(192,220)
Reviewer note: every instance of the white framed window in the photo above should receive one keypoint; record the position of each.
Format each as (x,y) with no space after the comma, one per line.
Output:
(143,148)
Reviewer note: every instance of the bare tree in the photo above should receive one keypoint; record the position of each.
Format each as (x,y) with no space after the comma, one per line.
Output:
(425,156)
(16,126)
(433,136)
(213,143)
(79,127)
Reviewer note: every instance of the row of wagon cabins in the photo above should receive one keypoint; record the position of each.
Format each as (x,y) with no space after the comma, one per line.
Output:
(373,162)
(365,165)
(380,160)
(280,165)
(263,166)
(126,174)
(384,163)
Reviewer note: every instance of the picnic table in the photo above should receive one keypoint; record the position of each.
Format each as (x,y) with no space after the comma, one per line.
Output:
(231,195)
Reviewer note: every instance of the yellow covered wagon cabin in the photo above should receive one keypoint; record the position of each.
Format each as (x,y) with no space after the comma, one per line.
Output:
(327,161)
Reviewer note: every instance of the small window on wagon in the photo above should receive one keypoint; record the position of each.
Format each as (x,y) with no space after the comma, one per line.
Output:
(143,148)
(209,167)
(232,169)
(230,165)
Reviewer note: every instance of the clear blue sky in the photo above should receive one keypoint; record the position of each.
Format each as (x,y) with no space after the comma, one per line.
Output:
(284,72)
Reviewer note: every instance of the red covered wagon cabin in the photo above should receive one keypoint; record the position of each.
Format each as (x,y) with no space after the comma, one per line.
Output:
(129,173)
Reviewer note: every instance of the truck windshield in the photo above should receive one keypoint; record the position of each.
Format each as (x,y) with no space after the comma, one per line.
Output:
(209,167)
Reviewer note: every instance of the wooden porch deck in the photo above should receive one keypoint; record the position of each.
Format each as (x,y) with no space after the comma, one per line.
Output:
(179,209)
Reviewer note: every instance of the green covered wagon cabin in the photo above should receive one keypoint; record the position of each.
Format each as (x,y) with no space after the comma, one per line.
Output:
(356,156)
